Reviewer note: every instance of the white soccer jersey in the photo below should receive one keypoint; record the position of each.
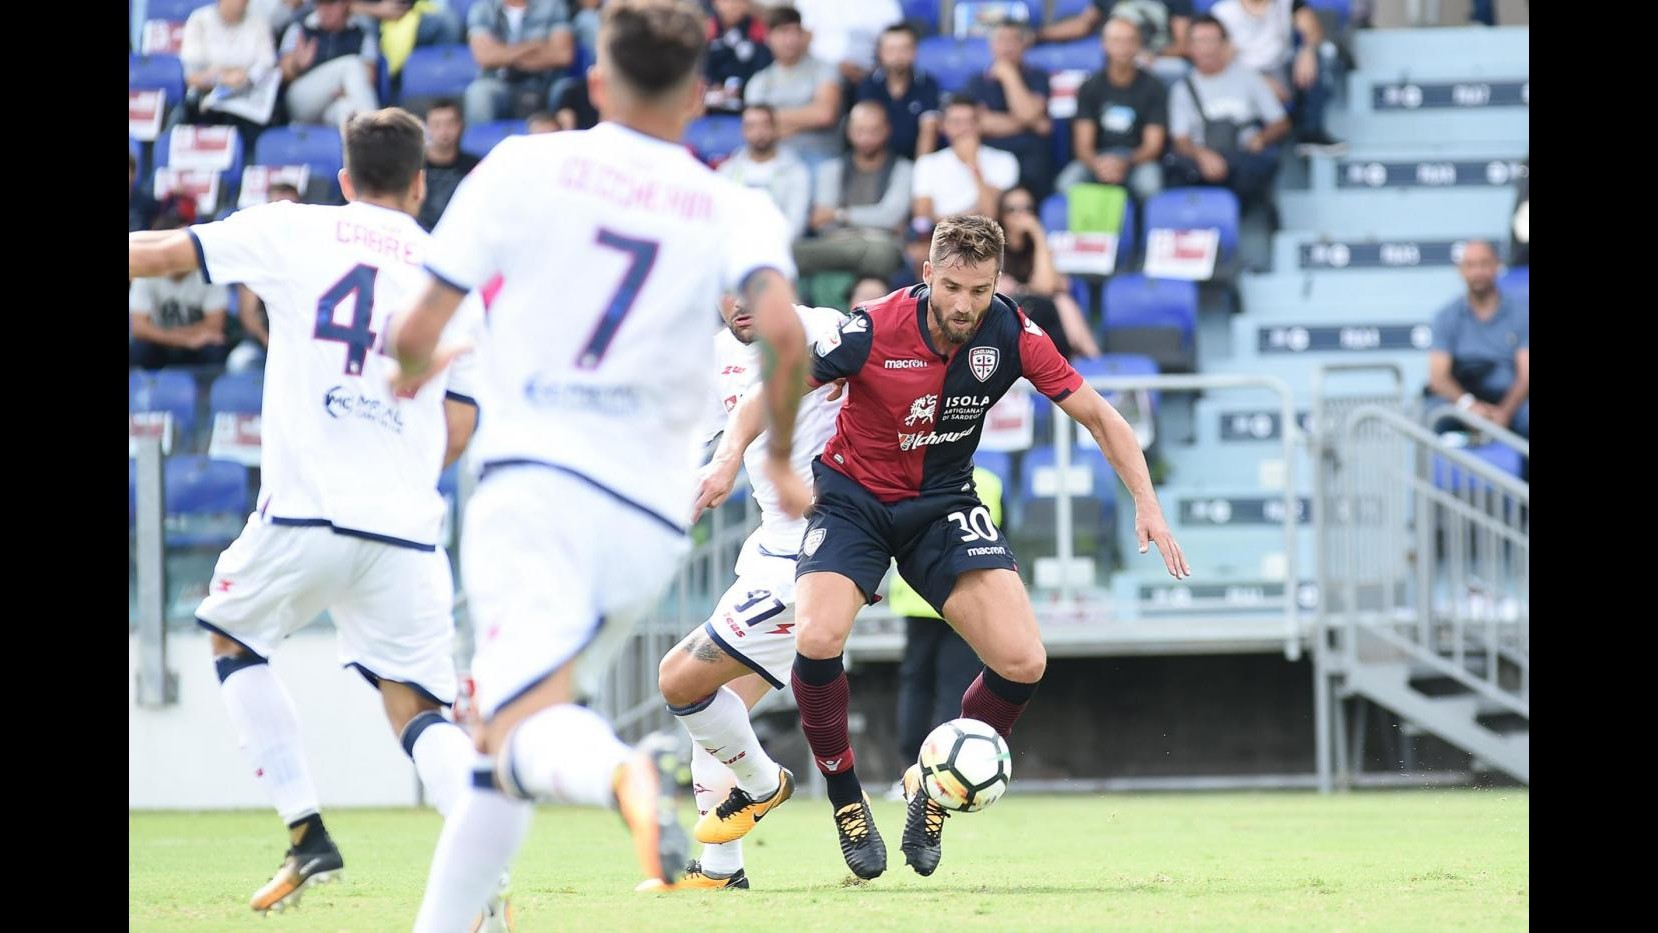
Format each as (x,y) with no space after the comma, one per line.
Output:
(615,247)
(338,448)
(738,368)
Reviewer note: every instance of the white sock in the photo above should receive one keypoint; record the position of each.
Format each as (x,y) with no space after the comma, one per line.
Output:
(568,754)
(479,839)
(712,781)
(268,726)
(723,729)
(443,755)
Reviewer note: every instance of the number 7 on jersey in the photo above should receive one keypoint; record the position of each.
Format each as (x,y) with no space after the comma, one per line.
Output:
(641,257)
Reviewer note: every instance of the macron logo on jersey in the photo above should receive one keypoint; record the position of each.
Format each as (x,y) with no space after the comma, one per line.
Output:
(905,364)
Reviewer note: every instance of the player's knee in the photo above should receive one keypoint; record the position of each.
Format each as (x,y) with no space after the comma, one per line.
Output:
(230,657)
(1026,667)
(815,639)
(677,688)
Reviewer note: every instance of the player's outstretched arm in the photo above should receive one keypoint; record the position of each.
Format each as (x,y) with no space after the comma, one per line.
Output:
(414,338)
(783,350)
(160,252)
(745,423)
(1116,439)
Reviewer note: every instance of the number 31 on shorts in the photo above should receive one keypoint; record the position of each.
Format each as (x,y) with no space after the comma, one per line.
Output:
(975,525)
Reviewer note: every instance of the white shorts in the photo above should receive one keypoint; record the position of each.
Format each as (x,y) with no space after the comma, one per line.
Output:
(392,606)
(557,568)
(754,620)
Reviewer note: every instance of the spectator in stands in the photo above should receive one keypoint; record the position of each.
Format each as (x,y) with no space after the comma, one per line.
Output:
(543,121)
(572,106)
(585,23)
(446,164)
(521,47)
(141,207)
(250,310)
(1225,120)
(736,52)
(280,14)
(1122,121)
(406,24)
(844,31)
(1029,277)
(860,203)
(805,91)
(762,163)
(1015,97)
(1263,35)
(966,178)
(329,61)
(867,289)
(177,320)
(1480,359)
(1164,30)
(227,45)
(910,97)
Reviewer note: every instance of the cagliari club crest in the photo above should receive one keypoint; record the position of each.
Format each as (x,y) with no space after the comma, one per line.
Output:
(983,360)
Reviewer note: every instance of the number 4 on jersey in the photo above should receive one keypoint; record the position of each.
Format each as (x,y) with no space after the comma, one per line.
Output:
(356,336)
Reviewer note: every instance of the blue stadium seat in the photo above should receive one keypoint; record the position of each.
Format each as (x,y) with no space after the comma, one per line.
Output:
(301,144)
(1450,478)
(1064,9)
(1056,216)
(952,61)
(1077,55)
(449,480)
(479,140)
(174,10)
(438,71)
(229,180)
(1037,482)
(714,138)
(1516,283)
(999,462)
(237,393)
(207,500)
(1342,8)
(1154,317)
(923,13)
(165,390)
(1121,364)
(146,72)
(1195,209)
(1200,7)
(136,149)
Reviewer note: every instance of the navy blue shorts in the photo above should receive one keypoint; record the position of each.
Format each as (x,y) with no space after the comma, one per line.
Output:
(936,537)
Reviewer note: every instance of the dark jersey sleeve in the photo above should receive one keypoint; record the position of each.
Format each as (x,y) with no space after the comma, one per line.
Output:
(1042,364)
(842,353)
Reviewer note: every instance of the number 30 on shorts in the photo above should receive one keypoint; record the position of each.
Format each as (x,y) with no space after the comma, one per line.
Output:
(975,525)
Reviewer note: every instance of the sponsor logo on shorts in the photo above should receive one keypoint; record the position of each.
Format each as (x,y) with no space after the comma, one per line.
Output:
(814,539)
(982,551)
(983,360)
(341,402)
(736,629)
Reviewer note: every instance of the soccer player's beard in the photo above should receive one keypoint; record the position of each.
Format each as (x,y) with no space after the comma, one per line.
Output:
(953,337)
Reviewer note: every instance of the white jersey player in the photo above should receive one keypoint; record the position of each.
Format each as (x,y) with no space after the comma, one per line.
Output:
(613,243)
(716,675)
(348,516)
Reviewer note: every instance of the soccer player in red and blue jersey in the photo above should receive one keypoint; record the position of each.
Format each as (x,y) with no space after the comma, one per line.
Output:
(922,367)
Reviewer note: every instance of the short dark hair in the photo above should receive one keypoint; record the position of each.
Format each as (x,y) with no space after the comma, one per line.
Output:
(962,100)
(446,103)
(384,151)
(967,238)
(654,45)
(905,29)
(1008,22)
(1208,19)
(270,193)
(783,16)
(766,109)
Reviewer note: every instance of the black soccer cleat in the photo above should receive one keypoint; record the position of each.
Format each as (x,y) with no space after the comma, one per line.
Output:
(861,843)
(315,863)
(923,827)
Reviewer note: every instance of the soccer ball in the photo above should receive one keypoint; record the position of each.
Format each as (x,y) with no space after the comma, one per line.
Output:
(965,765)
